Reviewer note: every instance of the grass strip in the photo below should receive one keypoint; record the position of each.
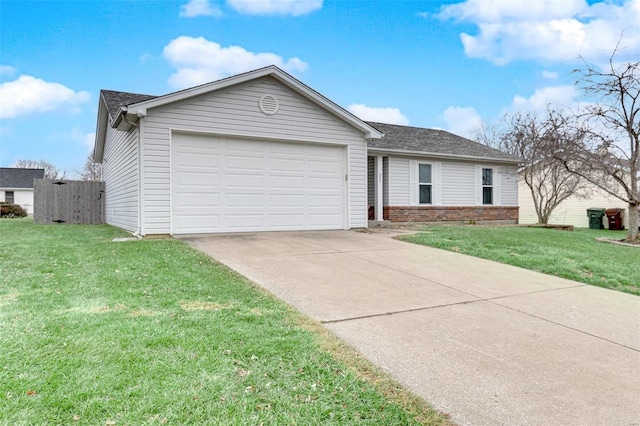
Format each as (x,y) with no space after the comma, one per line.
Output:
(575,255)
(97,332)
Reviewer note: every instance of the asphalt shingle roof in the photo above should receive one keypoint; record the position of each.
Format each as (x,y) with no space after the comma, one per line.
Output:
(397,138)
(114,100)
(416,139)
(19,178)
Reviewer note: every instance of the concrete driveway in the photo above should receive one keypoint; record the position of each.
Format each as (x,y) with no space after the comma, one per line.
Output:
(487,343)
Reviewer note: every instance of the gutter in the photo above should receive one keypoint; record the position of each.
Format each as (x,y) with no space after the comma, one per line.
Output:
(126,121)
(440,155)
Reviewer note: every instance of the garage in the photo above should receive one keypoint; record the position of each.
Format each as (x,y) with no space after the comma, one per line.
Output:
(226,184)
(258,151)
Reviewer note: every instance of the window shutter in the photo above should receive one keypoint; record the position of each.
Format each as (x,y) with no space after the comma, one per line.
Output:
(413,183)
(437,184)
(478,184)
(497,186)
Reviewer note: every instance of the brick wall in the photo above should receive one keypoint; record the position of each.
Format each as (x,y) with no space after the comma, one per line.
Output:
(447,214)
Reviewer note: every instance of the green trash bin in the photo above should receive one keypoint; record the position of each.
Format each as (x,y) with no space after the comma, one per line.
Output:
(595,218)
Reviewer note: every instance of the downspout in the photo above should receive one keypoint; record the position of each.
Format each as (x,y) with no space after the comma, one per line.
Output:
(139,126)
(136,125)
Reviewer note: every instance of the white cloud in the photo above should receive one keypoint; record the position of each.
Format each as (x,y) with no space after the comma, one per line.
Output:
(28,95)
(547,30)
(199,8)
(381,115)
(88,139)
(551,75)
(463,121)
(558,96)
(77,135)
(199,61)
(497,11)
(275,7)
(7,70)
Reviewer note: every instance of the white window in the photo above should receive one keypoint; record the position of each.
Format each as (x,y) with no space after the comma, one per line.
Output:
(487,186)
(425,183)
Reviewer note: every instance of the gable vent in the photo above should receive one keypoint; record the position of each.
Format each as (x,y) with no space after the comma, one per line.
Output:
(268,104)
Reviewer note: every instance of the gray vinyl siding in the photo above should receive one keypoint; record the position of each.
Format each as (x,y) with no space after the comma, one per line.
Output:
(358,217)
(509,185)
(120,175)
(458,184)
(385,181)
(371,181)
(399,194)
(235,111)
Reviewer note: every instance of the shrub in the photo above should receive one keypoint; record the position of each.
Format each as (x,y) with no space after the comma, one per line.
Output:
(11,210)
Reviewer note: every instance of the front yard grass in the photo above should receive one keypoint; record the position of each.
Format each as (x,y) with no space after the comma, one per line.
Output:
(575,255)
(95,332)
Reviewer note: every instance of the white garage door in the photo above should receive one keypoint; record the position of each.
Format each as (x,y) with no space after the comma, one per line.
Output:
(233,185)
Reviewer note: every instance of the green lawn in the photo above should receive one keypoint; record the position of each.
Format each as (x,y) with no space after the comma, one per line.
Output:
(95,332)
(575,255)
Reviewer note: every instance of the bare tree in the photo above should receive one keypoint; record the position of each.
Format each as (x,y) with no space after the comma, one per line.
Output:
(92,171)
(50,171)
(610,158)
(491,134)
(536,141)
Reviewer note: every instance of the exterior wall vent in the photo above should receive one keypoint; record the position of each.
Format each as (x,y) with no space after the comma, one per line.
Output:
(268,104)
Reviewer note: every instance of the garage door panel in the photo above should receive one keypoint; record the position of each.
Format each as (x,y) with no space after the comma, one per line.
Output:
(288,149)
(246,162)
(286,182)
(245,222)
(287,165)
(198,199)
(320,221)
(194,160)
(324,182)
(245,200)
(195,223)
(286,200)
(330,202)
(324,167)
(286,221)
(245,180)
(190,178)
(228,185)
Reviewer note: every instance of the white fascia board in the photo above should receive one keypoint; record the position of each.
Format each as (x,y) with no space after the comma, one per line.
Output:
(383,151)
(141,108)
(101,131)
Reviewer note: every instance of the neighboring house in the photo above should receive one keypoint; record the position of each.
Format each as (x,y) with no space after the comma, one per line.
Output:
(16,186)
(261,151)
(573,210)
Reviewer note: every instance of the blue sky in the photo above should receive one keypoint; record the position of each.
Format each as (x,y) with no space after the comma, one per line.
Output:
(444,64)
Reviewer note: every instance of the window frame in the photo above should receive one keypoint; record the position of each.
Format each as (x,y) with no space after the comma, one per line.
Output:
(429,184)
(10,194)
(490,186)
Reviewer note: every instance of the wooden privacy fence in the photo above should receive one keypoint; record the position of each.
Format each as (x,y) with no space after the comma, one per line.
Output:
(68,201)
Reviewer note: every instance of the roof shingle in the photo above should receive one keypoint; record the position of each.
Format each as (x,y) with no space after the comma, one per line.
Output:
(432,141)
(14,177)
(115,100)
